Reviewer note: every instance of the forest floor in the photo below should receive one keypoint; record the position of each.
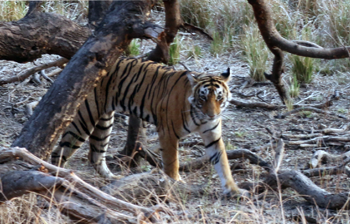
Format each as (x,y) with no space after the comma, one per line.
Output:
(249,128)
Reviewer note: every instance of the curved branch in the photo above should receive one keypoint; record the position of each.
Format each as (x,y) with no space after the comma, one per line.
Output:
(273,38)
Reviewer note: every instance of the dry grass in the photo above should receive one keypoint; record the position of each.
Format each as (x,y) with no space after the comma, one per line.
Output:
(30,209)
(12,10)
(15,10)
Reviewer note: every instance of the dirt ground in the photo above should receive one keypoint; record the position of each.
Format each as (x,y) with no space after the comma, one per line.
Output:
(243,128)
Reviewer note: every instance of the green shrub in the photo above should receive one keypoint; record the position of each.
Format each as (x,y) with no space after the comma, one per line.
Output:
(133,48)
(174,51)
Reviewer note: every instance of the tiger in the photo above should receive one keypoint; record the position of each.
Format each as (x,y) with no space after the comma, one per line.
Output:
(177,102)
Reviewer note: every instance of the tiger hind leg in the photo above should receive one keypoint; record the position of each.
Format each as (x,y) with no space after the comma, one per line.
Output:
(99,144)
(71,141)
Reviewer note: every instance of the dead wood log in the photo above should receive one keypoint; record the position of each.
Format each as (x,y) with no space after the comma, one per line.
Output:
(273,38)
(72,195)
(93,61)
(142,152)
(334,170)
(281,179)
(33,70)
(172,24)
(40,33)
(305,188)
(310,191)
(97,10)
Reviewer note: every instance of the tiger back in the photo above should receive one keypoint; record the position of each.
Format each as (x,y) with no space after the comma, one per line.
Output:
(177,102)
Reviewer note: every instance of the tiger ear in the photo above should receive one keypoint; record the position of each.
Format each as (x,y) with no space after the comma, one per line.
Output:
(192,78)
(226,75)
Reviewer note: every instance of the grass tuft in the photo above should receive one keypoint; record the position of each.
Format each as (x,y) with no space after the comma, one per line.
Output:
(133,48)
(216,46)
(303,68)
(195,52)
(294,88)
(174,51)
(255,52)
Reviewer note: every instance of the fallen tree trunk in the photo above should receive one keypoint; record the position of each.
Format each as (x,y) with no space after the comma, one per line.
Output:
(40,33)
(79,200)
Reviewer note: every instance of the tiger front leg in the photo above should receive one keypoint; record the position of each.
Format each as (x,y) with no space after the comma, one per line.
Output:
(215,149)
(169,147)
(218,157)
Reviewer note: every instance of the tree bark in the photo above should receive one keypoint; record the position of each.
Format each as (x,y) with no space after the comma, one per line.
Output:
(57,109)
(97,10)
(172,24)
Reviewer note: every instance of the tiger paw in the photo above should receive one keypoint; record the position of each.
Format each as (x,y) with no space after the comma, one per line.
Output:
(241,194)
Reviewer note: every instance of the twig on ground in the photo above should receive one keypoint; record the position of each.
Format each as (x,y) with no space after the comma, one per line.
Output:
(231,154)
(33,70)
(284,115)
(152,158)
(30,106)
(268,106)
(279,153)
(321,156)
(191,28)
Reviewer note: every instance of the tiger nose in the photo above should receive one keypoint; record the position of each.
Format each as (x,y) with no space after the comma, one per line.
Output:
(211,116)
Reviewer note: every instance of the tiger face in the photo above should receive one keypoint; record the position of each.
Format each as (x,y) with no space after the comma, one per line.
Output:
(210,94)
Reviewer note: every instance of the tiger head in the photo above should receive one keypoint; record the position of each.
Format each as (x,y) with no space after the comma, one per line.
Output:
(210,94)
